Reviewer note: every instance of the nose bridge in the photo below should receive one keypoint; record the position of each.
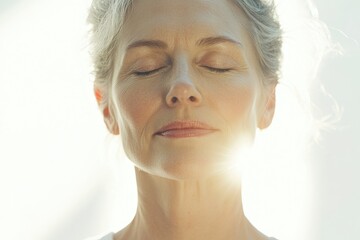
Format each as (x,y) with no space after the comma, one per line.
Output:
(183,89)
(182,70)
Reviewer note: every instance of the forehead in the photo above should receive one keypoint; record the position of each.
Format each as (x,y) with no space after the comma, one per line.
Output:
(189,20)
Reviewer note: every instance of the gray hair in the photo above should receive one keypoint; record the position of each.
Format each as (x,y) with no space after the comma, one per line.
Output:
(107,17)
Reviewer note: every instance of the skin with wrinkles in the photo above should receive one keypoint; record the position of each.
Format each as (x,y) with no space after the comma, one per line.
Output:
(188,61)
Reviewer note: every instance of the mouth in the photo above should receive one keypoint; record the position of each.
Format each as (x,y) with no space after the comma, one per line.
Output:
(185,129)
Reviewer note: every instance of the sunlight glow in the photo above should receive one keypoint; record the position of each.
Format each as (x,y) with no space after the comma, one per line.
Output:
(277,183)
(59,183)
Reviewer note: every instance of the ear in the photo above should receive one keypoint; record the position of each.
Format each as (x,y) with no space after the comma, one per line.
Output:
(110,122)
(109,119)
(269,109)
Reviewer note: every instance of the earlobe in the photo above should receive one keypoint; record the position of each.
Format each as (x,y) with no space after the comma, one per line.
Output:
(109,120)
(111,125)
(269,110)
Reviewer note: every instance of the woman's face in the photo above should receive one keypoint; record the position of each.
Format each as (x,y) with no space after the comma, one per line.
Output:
(188,87)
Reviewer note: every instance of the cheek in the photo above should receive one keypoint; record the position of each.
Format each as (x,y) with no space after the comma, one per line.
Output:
(136,105)
(237,103)
(237,106)
(243,113)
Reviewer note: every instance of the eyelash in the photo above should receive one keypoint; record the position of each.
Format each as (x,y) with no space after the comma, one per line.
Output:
(218,70)
(147,73)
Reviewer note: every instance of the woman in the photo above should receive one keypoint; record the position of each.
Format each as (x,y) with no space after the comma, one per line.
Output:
(185,84)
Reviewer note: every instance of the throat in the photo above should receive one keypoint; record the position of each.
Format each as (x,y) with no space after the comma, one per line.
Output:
(210,208)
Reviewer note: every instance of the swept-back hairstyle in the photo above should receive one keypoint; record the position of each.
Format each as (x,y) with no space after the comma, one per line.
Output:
(107,17)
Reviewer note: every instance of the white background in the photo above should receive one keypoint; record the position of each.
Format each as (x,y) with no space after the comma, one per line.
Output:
(58,177)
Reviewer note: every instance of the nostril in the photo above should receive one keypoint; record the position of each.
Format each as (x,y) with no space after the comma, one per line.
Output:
(192,99)
(173,99)
(183,94)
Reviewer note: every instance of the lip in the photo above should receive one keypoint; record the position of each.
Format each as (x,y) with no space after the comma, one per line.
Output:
(185,129)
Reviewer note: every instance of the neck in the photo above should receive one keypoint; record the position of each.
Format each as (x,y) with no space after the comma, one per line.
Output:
(209,209)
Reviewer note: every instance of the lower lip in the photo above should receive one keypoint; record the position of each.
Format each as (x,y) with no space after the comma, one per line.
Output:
(186,133)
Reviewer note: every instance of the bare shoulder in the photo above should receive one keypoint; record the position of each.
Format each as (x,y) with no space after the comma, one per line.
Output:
(123,234)
(255,234)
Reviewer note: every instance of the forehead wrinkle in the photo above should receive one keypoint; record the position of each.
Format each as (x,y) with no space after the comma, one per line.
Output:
(148,43)
(209,41)
(171,16)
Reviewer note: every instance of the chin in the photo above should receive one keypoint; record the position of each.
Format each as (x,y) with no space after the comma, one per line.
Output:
(192,159)
(191,167)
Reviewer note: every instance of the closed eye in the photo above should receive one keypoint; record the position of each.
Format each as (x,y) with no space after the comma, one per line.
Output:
(147,73)
(217,70)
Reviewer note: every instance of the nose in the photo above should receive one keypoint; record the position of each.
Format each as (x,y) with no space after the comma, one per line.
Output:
(183,92)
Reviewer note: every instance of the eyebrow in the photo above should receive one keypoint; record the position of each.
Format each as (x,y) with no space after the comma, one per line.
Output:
(148,43)
(209,41)
(205,42)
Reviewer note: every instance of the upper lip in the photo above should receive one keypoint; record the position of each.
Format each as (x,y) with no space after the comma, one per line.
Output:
(184,124)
